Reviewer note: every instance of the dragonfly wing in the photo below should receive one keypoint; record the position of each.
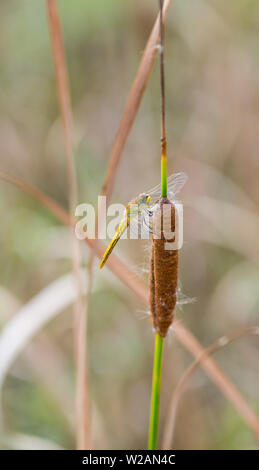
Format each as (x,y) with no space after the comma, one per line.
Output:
(134,226)
(141,225)
(145,222)
(175,183)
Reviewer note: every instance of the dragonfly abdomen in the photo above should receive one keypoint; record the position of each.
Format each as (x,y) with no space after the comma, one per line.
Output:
(120,230)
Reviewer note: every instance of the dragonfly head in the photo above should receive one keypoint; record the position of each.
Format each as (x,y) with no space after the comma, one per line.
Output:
(144,199)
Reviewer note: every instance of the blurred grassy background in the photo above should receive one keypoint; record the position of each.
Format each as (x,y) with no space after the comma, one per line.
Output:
(212,91)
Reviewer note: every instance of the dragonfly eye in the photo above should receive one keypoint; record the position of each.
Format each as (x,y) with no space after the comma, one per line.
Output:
(145,199)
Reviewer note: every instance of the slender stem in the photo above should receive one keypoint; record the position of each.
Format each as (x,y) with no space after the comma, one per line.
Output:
(80,320)
(157,368)
(155,397)
(163,173)
(162,87)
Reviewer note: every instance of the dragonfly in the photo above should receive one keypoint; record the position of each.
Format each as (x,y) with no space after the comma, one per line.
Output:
(142,206)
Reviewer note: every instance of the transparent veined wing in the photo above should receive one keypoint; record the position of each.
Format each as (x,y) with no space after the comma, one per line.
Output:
(140,226)
(175,183)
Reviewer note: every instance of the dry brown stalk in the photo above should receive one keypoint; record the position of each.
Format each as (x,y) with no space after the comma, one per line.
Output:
(82,389)
(178,392)
(132,104)
(184,336)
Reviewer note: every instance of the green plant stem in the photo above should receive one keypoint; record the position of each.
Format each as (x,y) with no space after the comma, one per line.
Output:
(155,397)
(163,175)
(159,341)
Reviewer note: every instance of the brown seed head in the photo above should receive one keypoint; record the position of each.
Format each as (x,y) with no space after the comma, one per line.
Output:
(163,268)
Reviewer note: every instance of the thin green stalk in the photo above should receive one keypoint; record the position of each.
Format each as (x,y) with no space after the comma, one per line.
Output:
(163,175)
(155,397)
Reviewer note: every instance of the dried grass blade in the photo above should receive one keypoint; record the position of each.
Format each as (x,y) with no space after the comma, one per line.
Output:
(132,104)
(178,392)
(82,392)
